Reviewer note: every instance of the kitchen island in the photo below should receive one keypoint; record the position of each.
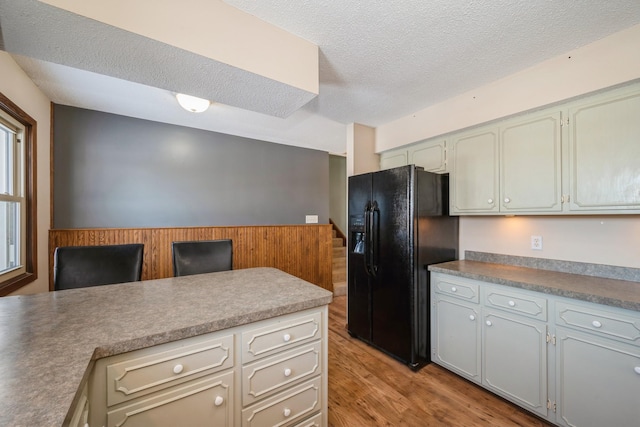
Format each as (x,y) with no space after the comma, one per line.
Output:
(51,342)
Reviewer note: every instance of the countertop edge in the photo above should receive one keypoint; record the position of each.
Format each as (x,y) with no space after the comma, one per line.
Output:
(453,268)
(141,342)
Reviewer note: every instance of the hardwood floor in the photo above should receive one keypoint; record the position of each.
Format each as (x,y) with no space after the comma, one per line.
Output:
(369,388)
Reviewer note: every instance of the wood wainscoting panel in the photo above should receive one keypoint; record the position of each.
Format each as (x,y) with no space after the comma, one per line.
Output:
(97,237)
(300,250)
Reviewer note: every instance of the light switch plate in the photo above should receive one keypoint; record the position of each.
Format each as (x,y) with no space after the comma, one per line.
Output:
(311,219)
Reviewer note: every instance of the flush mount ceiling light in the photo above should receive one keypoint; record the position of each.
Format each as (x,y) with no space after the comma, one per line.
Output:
(192,103)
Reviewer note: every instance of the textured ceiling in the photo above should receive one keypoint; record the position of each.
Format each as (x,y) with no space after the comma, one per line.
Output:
(379,60)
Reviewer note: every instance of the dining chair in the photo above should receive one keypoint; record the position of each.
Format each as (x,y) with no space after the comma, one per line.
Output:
(202,256)
(84,266)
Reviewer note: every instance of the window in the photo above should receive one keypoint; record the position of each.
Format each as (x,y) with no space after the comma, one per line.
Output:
(17,197)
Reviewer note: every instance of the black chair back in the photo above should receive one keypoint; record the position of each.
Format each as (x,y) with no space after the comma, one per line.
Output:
(83,266)
(204,256)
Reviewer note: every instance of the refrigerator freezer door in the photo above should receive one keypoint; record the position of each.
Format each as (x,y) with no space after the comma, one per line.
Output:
(358,291)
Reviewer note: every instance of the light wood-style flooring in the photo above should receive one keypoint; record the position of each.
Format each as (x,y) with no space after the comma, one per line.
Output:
(369,388)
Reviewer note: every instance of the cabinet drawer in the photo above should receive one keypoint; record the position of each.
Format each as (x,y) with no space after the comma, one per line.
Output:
(286,408)
(164,366)
(280,335)
(457,287)
(266,376)
(203,402)
(602,322)
(516,302)
(315,421)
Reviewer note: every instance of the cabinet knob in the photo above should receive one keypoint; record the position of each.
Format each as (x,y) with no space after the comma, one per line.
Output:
(637,369)
(596,324)
(490,201)
(178,369)
(472,317)
(507,200)
(512,303)
(286,337)
(286,412)
(287,372)
(218,401)
(488,322)
(454,289)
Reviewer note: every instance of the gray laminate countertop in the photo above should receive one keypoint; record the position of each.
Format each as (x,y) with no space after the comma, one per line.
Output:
(612,292)
(49,341)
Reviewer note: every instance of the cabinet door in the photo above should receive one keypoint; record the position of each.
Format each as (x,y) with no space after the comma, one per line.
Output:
(530,161)
(430,155)
(515,359)
(393,159)
(80,415)
(474,181)
(456,337)
(604,153)
(598,381)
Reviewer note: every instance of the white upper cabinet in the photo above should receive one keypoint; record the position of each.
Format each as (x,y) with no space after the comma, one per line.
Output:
(604,152)
(530,164)
(513,167)
(474,180)
(582,157)
(430,155)
(579,158)
(393,159)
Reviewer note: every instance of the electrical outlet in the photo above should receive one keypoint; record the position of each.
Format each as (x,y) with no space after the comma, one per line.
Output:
(536,243)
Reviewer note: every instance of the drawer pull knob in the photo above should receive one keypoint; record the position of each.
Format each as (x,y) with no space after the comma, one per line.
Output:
(454,289)
(219,401)
(178,369)
(512,303)
(287,372)
(286,412)
(488,322)
(637,369)
(286,337)
(596,324)
(472,317)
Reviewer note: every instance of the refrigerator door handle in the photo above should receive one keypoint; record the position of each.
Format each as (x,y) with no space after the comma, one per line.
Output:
(375,236)
(367,239)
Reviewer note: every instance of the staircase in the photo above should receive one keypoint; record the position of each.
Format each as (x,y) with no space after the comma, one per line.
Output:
(339,265)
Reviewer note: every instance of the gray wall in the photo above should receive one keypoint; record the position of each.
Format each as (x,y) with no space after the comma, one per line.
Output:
(116,171)
(338,191)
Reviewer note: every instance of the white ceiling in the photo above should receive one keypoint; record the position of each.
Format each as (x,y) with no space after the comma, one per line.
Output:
(379,61)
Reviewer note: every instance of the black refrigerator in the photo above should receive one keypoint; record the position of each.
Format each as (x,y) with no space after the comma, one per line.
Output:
(398,225)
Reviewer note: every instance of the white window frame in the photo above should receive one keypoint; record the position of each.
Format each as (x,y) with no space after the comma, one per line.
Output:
(16,194)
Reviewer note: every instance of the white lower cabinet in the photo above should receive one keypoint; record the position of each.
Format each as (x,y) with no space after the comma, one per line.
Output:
(598,366)
(598,381)
(284,377)
(456,339)
(271,372)
(80,413)
(514,359)
(571,362)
